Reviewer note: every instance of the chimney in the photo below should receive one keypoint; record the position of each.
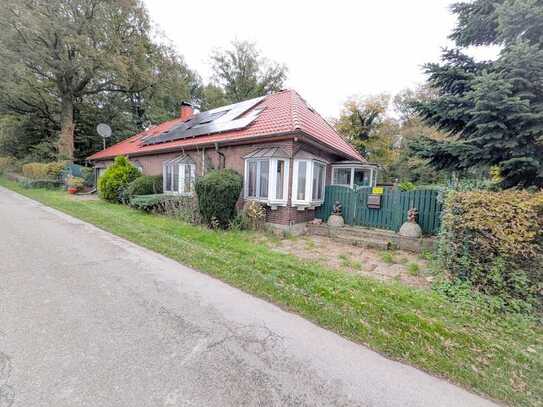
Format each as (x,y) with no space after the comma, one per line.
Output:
(186,111)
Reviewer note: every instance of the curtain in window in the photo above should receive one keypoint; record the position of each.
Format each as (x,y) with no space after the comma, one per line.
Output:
(280,179)
(188,178)
(251,184)
(175,182)
(342,176)
(264,178)
(168,178)
(318,175)
(302,170)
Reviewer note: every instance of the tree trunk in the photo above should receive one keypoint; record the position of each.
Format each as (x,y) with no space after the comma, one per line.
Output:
(67,126)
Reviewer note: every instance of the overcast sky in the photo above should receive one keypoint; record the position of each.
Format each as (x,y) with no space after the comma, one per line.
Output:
(333,49)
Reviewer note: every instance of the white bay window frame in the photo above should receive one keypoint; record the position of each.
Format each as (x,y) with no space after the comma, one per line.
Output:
(272,191)
(311,166)
(174,174)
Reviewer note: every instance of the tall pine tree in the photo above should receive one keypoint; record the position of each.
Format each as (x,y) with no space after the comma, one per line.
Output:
(492,111)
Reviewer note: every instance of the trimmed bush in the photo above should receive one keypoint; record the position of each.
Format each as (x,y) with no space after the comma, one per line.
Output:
(116,178)
(36,171)
(55,169)
(494,240)
(147,203)
(144,185)
(218,192)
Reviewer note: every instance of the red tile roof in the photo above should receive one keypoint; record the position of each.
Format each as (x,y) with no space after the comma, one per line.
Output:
(284,112)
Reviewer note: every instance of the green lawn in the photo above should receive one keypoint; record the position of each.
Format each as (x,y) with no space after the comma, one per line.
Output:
(497,355)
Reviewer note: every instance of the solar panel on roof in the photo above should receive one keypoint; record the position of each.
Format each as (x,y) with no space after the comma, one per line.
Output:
(218,120)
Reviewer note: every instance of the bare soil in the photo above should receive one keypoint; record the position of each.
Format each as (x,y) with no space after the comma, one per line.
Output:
(390,265)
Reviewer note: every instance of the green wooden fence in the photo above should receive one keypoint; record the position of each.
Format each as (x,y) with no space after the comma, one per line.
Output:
(393,211)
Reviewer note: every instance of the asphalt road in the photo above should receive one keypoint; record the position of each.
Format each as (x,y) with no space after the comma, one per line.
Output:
(89,319)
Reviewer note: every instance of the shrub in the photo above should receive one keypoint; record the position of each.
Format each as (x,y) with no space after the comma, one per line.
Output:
(147,203)
(40,183)
(144,185)
(494,240)
(218,192)
(254,215)
(36,171)
(6,163)
(75,182)
(181,207)
(406,186)
(87,173)
(116,178)
(55,169)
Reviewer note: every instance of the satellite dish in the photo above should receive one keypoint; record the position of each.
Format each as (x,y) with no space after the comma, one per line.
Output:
(104,130)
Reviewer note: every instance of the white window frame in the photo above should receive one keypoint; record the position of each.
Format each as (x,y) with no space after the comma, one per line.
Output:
(373,175)
(180,164)
(308,201)
(271,199)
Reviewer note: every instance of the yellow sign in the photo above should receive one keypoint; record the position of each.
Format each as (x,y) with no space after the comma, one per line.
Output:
(377,190)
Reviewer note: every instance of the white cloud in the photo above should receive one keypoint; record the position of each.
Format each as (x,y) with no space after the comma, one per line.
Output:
(333,49)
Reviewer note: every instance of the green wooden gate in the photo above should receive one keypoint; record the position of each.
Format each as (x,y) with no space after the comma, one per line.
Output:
(393,211)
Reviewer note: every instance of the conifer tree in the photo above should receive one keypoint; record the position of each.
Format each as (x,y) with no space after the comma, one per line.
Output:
(492,111)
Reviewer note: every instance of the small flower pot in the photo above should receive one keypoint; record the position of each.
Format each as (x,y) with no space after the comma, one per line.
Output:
(72,190)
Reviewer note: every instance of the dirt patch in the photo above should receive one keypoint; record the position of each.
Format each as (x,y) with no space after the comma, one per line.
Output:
(397,265)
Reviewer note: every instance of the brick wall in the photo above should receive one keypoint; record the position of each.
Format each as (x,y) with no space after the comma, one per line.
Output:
(206,159)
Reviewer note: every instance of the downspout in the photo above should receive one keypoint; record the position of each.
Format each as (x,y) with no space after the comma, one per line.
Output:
(203,161)
(222,159)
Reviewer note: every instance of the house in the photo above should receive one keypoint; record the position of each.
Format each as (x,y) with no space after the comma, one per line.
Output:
(286,152)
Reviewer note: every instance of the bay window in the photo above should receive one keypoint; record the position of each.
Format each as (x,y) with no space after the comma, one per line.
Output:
(179,175)
(266,180)
(308,182)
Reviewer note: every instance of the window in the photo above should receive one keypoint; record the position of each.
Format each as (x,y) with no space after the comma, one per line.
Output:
(186,173)
(280,179)
(308,182)
(266,179)
(342,176)
(251,183)
(264,175)
(361,177)
(302,172)
(354,176)
(318,182)
(179,175)
(168,177)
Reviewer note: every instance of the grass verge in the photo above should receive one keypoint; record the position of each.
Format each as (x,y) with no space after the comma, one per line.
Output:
(500,356)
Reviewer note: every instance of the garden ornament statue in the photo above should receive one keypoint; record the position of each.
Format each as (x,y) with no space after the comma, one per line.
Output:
(411,228)
(336,218)
(336,210)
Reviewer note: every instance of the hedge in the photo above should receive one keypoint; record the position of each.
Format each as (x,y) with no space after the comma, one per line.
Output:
(494,240)
(144,185)
(40,183)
